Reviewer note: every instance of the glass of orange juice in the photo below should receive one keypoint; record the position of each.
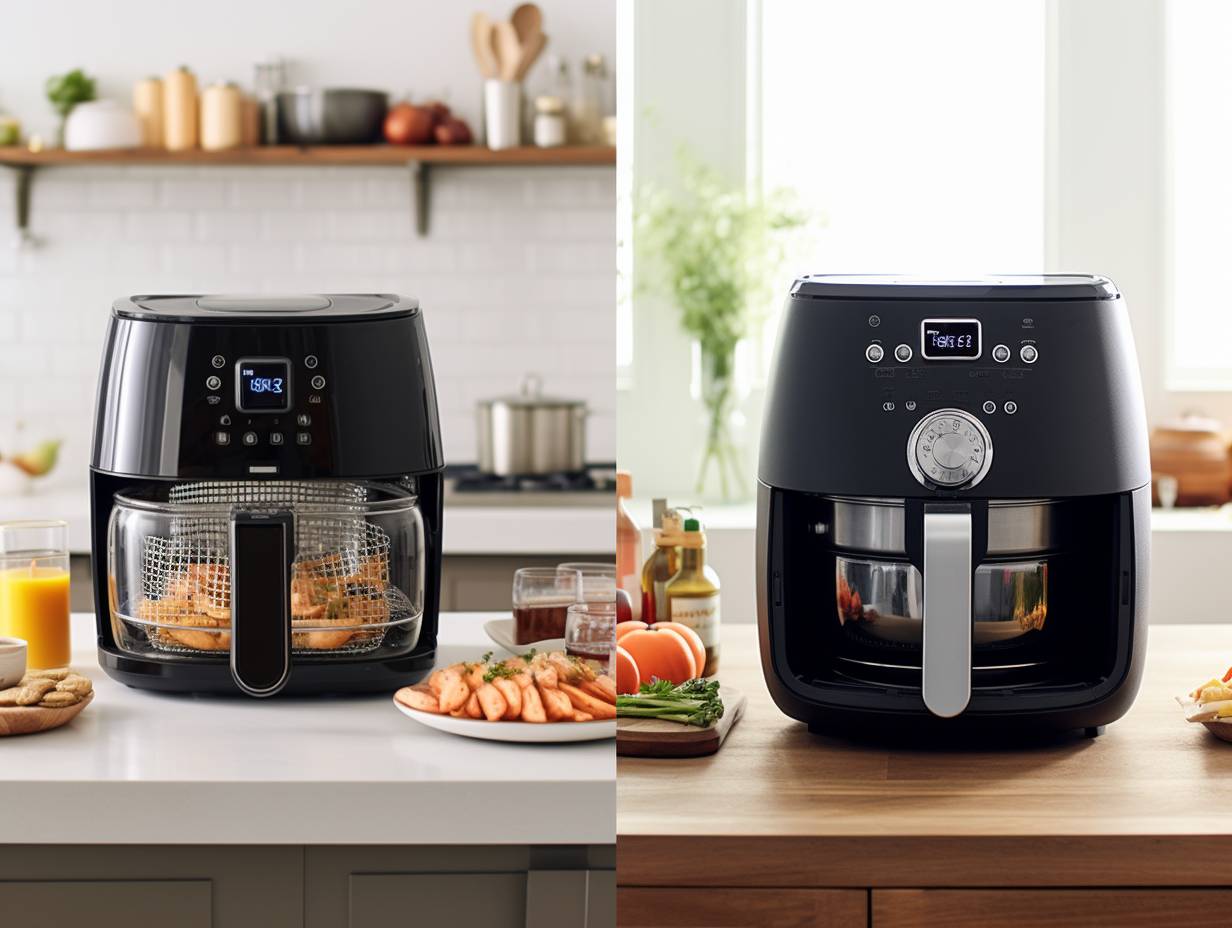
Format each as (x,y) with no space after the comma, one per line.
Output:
(34,603)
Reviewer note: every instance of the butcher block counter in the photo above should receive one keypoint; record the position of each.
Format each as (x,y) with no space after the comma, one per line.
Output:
(786,828)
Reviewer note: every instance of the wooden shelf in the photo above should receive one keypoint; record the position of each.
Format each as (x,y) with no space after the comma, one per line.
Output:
(417,159)
(318,155)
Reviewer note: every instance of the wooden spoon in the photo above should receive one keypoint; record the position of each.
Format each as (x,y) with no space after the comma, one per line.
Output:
(527,20)
(481,45)
(531,50)
(508,50)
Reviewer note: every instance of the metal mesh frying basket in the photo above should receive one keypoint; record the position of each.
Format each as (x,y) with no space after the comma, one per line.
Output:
(341,595)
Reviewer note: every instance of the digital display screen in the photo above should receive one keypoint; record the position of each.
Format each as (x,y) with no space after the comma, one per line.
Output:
(264,384)
(950,339)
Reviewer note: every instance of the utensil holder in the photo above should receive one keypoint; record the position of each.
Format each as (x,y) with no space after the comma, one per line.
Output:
(502,110)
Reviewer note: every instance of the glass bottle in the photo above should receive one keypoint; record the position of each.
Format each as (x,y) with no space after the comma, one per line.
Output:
(628,544)
(693,593)
(590,101)
(660,567)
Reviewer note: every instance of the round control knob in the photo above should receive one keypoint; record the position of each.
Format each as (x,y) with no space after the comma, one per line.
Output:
(949,448)
(1001,354)
(874,353)
(1028,353)
(903,353)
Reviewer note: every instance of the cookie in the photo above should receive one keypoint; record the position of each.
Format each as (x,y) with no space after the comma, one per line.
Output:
(75,683)
(8,698)
(57,674)
(32,693)
(60,699)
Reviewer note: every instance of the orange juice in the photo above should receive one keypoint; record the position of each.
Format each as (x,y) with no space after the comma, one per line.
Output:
(34,605)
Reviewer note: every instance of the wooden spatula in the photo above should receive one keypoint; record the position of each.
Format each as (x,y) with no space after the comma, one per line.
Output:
(508,50)
(481,46)
(531,50)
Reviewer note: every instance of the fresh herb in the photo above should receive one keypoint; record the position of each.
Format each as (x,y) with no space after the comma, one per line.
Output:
(530,655)
(67,90)
(694,702)
(485,657)
(500,670)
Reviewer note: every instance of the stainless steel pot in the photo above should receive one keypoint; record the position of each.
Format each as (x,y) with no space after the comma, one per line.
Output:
(531,434)
(331,116)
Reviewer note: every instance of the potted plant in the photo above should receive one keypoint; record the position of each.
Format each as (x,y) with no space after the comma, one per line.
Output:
(714,247)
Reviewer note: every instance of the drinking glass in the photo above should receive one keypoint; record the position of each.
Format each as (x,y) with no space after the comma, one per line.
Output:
(34,603)
(541,600)
(598,580)
(590,632)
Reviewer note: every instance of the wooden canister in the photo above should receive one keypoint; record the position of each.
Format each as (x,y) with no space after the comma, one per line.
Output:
(222,117)
(250,132)
(180,110)
(148,106)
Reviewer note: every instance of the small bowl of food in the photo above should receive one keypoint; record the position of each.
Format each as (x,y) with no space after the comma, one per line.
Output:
(12,661)
(1211,705)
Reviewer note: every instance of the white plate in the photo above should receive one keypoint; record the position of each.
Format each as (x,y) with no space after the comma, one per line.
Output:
(502,632)
(525,732)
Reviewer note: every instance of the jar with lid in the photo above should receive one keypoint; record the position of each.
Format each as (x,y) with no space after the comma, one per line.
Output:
(550,126)
(590,101)
(222,117)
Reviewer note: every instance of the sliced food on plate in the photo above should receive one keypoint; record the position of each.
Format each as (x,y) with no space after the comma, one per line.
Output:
(1210,702)
(533,687)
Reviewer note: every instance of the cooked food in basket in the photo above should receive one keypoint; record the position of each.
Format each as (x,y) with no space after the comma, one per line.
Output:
(536,687)
(332,606)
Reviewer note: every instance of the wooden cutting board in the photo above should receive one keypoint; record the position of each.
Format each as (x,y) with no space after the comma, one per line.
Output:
(28,720)
(657,738)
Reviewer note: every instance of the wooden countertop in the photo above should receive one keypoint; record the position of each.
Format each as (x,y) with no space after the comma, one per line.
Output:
(1147,803)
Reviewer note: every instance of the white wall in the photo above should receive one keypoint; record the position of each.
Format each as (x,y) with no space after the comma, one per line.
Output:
(516,275)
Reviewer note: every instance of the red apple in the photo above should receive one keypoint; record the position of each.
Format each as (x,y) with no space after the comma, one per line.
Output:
(406,124)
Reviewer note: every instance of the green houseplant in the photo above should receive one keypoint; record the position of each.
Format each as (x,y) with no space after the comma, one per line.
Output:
(713,247)
(64,91)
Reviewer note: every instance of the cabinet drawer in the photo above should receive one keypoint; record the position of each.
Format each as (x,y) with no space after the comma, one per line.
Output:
(384,900)
(647,907)
(1048,908)
(111,903)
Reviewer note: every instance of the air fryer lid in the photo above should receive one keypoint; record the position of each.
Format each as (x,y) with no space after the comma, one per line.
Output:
(1005,287)
(232,309)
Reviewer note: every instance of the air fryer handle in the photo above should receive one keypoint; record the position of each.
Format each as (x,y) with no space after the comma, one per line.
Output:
(261,556)
(948,617)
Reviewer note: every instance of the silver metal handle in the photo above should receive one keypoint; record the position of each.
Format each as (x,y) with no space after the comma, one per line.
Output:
(947,612)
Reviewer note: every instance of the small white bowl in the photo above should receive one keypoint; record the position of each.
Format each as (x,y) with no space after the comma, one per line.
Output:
(12,661)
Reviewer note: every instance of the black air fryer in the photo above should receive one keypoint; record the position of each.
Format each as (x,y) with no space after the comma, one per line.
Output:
(953,506)
(266,494)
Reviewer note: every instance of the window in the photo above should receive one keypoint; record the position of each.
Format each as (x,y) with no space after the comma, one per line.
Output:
(914,130)
(1199,88)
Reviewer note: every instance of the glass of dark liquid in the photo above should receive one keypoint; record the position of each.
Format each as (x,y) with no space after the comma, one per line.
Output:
(541,600)
(590,632)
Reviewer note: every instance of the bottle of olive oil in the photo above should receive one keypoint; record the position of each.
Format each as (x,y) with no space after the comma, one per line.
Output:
(693,594)
(660,567)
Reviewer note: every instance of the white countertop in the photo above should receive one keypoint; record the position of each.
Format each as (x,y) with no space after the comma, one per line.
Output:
(142,768)
(469,529)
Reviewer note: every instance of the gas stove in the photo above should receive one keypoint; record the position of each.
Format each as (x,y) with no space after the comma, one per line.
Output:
(466,485)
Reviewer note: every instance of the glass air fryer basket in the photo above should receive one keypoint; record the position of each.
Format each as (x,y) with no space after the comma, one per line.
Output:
(355,581)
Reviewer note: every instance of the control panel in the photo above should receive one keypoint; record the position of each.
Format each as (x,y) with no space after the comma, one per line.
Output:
(949,448)
(253,410)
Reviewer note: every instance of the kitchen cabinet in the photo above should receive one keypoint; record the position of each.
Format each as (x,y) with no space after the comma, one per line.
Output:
(1036,908)
(656,907)
(114,904)
(1116,830)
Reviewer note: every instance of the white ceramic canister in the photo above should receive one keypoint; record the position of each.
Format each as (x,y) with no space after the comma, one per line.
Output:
(502,113)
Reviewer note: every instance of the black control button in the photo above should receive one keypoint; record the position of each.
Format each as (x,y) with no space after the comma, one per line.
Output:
(224,419)
(1010,408)
(303,420)
(874,321)
(275,438)
(318,382)
(310,362)
(990,407)
(314,399)
(213,399)
(218,361)
(249,438)
(222,438)
(303,438)
(213,382)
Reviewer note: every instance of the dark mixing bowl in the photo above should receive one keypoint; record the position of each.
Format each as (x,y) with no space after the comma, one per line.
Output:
(308,116)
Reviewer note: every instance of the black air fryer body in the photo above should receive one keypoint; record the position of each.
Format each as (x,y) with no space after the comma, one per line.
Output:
(361,407)
(972,456)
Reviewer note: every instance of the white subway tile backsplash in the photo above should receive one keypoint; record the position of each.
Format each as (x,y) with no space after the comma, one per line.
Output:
(516,275)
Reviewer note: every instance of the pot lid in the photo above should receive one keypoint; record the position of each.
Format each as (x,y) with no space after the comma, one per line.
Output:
(532,396)
(1007,287)
(265,309)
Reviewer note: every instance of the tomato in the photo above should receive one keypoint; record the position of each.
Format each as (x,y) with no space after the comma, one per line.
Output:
(623,628)
(661,654)
(691,638)
(627,674)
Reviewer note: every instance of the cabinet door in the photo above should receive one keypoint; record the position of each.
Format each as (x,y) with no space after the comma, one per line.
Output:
(645,907)
(1047,908)
(109,903)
